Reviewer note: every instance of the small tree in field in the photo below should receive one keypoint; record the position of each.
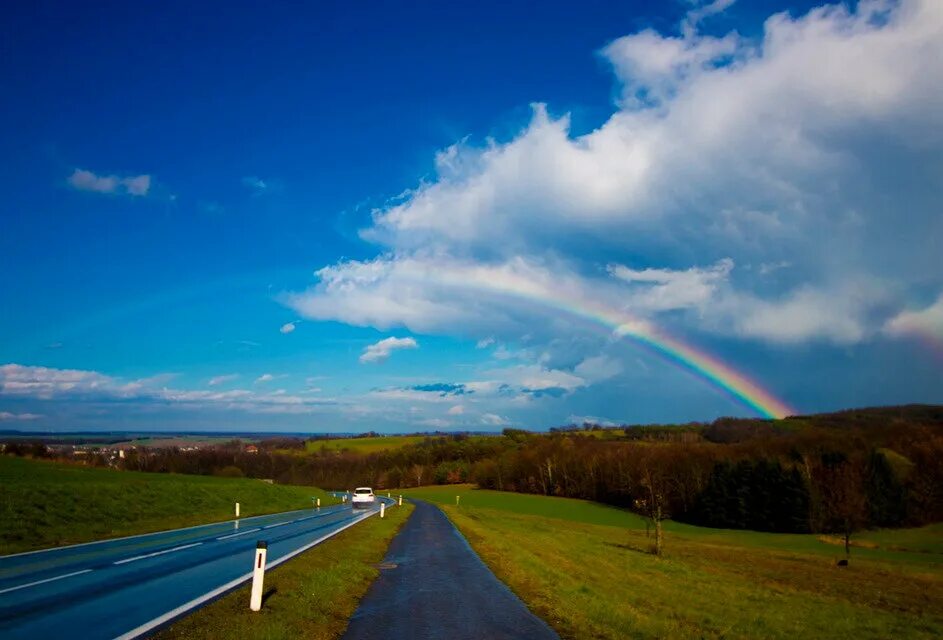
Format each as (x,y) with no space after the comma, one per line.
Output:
(654,504)
(844,499)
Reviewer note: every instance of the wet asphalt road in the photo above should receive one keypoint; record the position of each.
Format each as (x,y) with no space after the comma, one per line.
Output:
(126,587)
(440,589)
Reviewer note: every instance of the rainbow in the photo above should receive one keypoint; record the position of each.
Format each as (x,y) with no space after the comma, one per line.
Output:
(567,299)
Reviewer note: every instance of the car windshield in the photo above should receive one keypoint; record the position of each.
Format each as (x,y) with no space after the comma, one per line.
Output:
(364,491)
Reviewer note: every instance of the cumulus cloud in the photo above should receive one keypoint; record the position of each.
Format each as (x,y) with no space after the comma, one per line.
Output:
(665,289)
(45,384)
(85,180)
(723,151)
(926,322)
(288,327)
(381,351)
(265,377)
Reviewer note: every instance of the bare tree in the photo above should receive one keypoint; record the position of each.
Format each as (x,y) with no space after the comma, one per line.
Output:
(653,480)
(418,470)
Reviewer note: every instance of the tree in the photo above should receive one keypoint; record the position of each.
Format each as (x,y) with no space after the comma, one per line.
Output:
(654,504)
(417,471)
(844,500)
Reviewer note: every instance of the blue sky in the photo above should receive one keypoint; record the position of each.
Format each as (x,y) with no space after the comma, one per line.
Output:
(322,217)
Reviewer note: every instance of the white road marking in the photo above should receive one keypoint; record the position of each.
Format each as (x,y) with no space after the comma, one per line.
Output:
(158,553)
(33,584)
(278,524)
(241,533)
(137,632)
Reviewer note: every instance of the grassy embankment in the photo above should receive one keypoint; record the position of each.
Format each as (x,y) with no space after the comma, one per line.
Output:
(312,596)
(583,567)
(43,504)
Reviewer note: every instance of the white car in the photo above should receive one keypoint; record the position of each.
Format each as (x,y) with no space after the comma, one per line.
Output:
(363,497)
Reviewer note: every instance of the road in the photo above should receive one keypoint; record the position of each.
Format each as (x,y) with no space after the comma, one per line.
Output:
(433,586)
(124,588)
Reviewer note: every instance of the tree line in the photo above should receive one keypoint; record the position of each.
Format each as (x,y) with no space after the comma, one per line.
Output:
(831,473)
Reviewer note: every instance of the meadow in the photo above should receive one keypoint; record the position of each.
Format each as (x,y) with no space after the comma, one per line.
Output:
(44,504)
(362,445)
(585,568)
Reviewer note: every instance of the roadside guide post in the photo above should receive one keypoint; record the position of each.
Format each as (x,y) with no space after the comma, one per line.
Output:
(319,503)
(258,575)
(457,498)
(401,501)
(382,508)
(237,509)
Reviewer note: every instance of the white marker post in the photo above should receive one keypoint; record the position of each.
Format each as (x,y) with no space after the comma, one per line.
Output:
(258,575)
(319,503)
(237,509)
(457,498)
(401,501)
(382,508)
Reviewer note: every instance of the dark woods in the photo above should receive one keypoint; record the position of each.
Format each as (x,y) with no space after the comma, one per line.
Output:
(833,473)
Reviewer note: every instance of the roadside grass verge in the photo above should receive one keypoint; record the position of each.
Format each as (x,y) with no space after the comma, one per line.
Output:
(44,504)
(592,580)
(311,596)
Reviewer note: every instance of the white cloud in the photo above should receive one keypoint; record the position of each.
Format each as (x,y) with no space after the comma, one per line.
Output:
(256,184)
(484,343)
(665,289)
(85,180)
(288,327)
(380,351)
(217,380)
(64,385)
(598,368)
(926,322)
(581,420)
(456,410)
(265,377)
(7,415)
(724,150)
(494,420)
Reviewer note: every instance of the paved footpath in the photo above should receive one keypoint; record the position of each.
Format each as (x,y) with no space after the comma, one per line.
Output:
(440,589)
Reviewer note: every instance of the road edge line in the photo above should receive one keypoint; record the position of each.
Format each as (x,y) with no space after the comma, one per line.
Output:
(229,586)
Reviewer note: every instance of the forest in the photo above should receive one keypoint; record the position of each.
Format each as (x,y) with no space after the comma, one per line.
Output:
(835,473)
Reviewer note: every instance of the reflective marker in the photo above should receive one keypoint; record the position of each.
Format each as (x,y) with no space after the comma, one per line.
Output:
(258,575)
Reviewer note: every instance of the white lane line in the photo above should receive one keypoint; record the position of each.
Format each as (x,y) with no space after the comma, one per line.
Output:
(278,524)
(155,533)
(33,584)
(158,553)
(241,533)
(137,632)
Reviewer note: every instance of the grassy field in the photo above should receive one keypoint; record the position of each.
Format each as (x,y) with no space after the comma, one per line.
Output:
(44,504)
(583,567)
(312,595)
(362,445)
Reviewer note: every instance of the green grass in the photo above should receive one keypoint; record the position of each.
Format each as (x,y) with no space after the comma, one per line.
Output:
(44,504)
(583,567)
(312,595)
(362,445)
(922,545)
